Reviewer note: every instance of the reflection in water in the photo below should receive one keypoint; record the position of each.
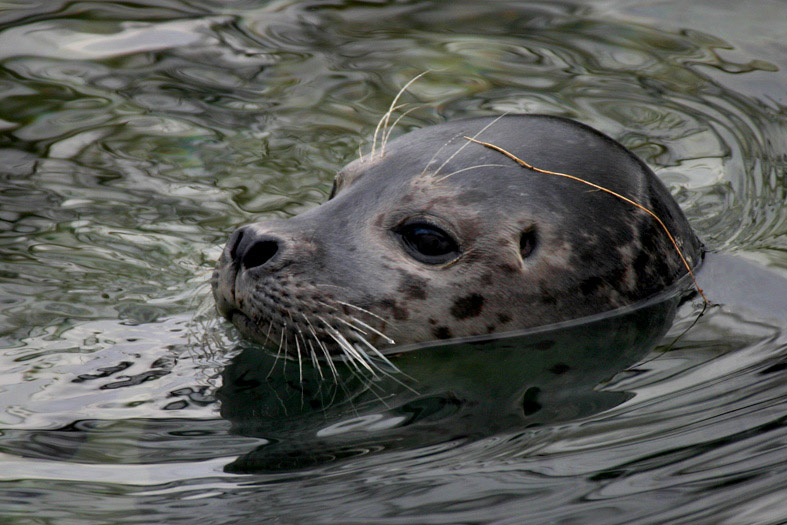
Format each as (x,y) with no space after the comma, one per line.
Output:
(134,136)
(440,394)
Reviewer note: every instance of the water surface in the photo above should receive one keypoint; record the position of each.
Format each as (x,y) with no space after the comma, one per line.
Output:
(135,137)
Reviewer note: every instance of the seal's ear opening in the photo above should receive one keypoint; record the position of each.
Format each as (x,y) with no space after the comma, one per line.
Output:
(334,190)
(527,242)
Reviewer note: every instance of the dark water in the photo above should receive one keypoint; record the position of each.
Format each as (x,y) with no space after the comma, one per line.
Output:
(135,136)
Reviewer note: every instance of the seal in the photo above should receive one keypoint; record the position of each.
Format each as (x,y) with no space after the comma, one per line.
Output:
(437,235)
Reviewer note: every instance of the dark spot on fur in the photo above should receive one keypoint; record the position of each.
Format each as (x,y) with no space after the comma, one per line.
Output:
(400,314)
(441,332)
(503,318)
(432,321)
(487,279)
(379,220)
(591,285)
(469,306)
(413,287)
(490,329)
(548,300)
(560,368)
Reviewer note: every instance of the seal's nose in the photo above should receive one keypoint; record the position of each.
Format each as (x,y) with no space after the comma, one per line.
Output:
(251,249)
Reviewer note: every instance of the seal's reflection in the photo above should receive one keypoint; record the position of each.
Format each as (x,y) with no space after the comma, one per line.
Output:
(448,393)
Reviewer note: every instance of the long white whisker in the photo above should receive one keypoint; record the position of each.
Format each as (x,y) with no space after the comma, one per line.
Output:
(393,366)
(286,347)
(379,124)
(376,352)
(297,346)
(278,352)
(360,153)
(331,366)
(441,179)
(346,323)
(463,146)
(373,330)
(360,356)
(336,377)
(362,310)
(268,334)
(314,358)
(347,347)
(349,358)
(387,115)
(436,153)
(300,361)
(387,135)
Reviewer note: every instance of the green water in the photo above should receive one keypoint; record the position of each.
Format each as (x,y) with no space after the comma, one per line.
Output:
(134,137)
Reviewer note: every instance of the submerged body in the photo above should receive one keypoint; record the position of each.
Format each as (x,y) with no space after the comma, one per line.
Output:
(435,236)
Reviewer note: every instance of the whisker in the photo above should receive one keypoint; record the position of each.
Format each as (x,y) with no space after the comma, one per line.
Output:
(360,153)
(387,135)
(297,345)
(387,115)
(362,357)
(347,347)
(373,330)
(376,352)
(350,360)
(441,179)
(436,153)
(314,357)
(268,334)
(286,347)
(393,367)
(278,352)
(347,323)
(367,312)
(379,124)
(463,146)
(321,346)
(300,362)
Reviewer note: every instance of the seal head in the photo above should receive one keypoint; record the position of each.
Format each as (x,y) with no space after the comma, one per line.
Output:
(441,237)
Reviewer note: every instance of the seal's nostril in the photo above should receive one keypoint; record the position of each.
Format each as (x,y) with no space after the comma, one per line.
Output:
(259,253)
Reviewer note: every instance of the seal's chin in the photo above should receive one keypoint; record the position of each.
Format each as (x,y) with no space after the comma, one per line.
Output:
(223,284)
(246,326)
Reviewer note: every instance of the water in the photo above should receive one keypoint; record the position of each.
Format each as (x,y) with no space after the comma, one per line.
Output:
(135,136)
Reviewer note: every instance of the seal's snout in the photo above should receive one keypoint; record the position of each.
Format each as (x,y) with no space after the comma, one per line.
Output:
(249,249)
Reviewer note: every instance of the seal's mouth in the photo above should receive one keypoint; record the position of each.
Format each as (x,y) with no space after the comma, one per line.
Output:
(251,329)
(298,321)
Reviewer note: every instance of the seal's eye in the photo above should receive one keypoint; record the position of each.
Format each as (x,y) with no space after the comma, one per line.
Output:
(427,243)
